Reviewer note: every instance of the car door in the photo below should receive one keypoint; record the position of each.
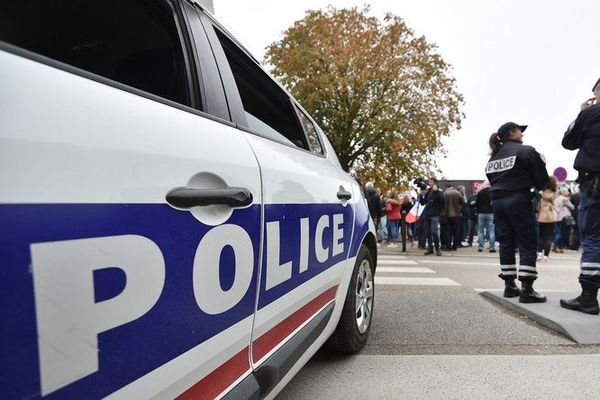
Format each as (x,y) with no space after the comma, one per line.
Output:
(130,219)
(308,212)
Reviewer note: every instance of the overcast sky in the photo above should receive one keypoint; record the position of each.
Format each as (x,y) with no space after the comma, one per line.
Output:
(531,62)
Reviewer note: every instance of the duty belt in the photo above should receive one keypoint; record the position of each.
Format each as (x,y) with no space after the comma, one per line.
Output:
(592,179)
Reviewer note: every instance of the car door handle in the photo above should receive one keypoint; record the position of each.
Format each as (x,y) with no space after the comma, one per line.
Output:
(183,197)
(343,194)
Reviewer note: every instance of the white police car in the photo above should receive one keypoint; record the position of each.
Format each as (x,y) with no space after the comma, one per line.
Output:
(172,222)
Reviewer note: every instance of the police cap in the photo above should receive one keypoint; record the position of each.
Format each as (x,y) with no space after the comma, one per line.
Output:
(509,126)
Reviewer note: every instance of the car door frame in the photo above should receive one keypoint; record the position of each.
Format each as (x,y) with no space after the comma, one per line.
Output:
(270,372)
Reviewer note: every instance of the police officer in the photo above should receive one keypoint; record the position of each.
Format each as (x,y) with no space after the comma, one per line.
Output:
(513,170)
(584,134)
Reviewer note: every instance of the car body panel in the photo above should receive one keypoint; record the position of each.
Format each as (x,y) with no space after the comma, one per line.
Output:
(109,291)
(104,174)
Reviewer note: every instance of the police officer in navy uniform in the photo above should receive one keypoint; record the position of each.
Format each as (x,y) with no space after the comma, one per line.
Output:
(513,170)
(584,134)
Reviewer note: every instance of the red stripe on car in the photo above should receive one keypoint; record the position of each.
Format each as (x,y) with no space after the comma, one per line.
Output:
(269,340)
(220,379)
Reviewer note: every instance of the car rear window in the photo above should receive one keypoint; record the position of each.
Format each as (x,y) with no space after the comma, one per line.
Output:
(269,111)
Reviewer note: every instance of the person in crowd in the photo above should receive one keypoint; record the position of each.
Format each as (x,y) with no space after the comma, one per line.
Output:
(564,219)
(584,135)
(453,207)
(433,199)
(485,219)
(407,205)
(471,218)
(374,202)
(444,236)
(464,219)
(419,226)
(393,217)
(383,229)
(512,170)
(546,219)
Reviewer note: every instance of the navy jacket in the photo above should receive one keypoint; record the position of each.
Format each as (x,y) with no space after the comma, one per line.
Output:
(483,204)
(434,202)
(584,134)
(515,168)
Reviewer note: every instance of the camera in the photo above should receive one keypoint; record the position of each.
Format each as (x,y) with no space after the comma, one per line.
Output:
(420,183)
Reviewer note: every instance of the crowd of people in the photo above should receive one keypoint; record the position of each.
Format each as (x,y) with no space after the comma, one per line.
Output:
(459,219)
(449,219)
(520,207)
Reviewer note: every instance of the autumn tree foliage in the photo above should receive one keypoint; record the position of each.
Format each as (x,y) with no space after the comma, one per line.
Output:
(384,97)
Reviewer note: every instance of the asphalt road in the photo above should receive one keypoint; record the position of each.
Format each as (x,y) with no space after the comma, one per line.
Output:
(434,336)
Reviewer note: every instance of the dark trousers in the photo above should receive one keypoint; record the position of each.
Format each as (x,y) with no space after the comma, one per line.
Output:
(464,227)
(516,228)
(453,231)
(444,233)
(589,223)
(421,232)
(575,241)
(472,222)
(546,235)
(561,238)
(432,224)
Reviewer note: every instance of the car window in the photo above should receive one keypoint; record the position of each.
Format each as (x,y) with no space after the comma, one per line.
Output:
(269,111)
(133,42)
(311,132)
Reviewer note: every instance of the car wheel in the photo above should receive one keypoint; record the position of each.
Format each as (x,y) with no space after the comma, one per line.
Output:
(352,331)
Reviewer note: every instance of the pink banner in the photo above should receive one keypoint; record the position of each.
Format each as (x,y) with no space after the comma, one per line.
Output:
(475,186)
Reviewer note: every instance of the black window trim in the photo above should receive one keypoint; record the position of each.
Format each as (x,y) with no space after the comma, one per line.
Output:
(232,95)
(301,109)
(193,78)
(232,92)
(209,79)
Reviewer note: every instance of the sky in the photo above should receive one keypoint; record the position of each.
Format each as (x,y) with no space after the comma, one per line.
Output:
(528,61)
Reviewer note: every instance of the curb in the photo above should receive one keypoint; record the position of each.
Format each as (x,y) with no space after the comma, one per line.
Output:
(548,323)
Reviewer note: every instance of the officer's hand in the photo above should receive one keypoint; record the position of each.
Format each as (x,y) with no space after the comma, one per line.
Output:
(589,102)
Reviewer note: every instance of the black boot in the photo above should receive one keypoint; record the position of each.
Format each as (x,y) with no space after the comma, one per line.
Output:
(528,295)
(587,302)
(511,289)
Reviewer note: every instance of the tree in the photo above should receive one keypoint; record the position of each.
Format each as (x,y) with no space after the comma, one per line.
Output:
(384,97)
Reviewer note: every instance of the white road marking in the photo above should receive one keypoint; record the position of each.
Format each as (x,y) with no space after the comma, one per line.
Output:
(396,262)
(486,255)
(437,261)
(540,265)
(390,280)
(539,290)
(413,270)
(390,257)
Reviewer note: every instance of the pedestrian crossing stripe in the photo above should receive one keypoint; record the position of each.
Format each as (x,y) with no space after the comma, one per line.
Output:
(496,264)
(411,281)
(396,262)
(410,270)
(390,257)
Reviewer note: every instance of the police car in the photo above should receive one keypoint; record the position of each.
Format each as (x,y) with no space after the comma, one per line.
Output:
(172,222)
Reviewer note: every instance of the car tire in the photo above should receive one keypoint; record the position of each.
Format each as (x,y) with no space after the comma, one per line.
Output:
(352,330)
